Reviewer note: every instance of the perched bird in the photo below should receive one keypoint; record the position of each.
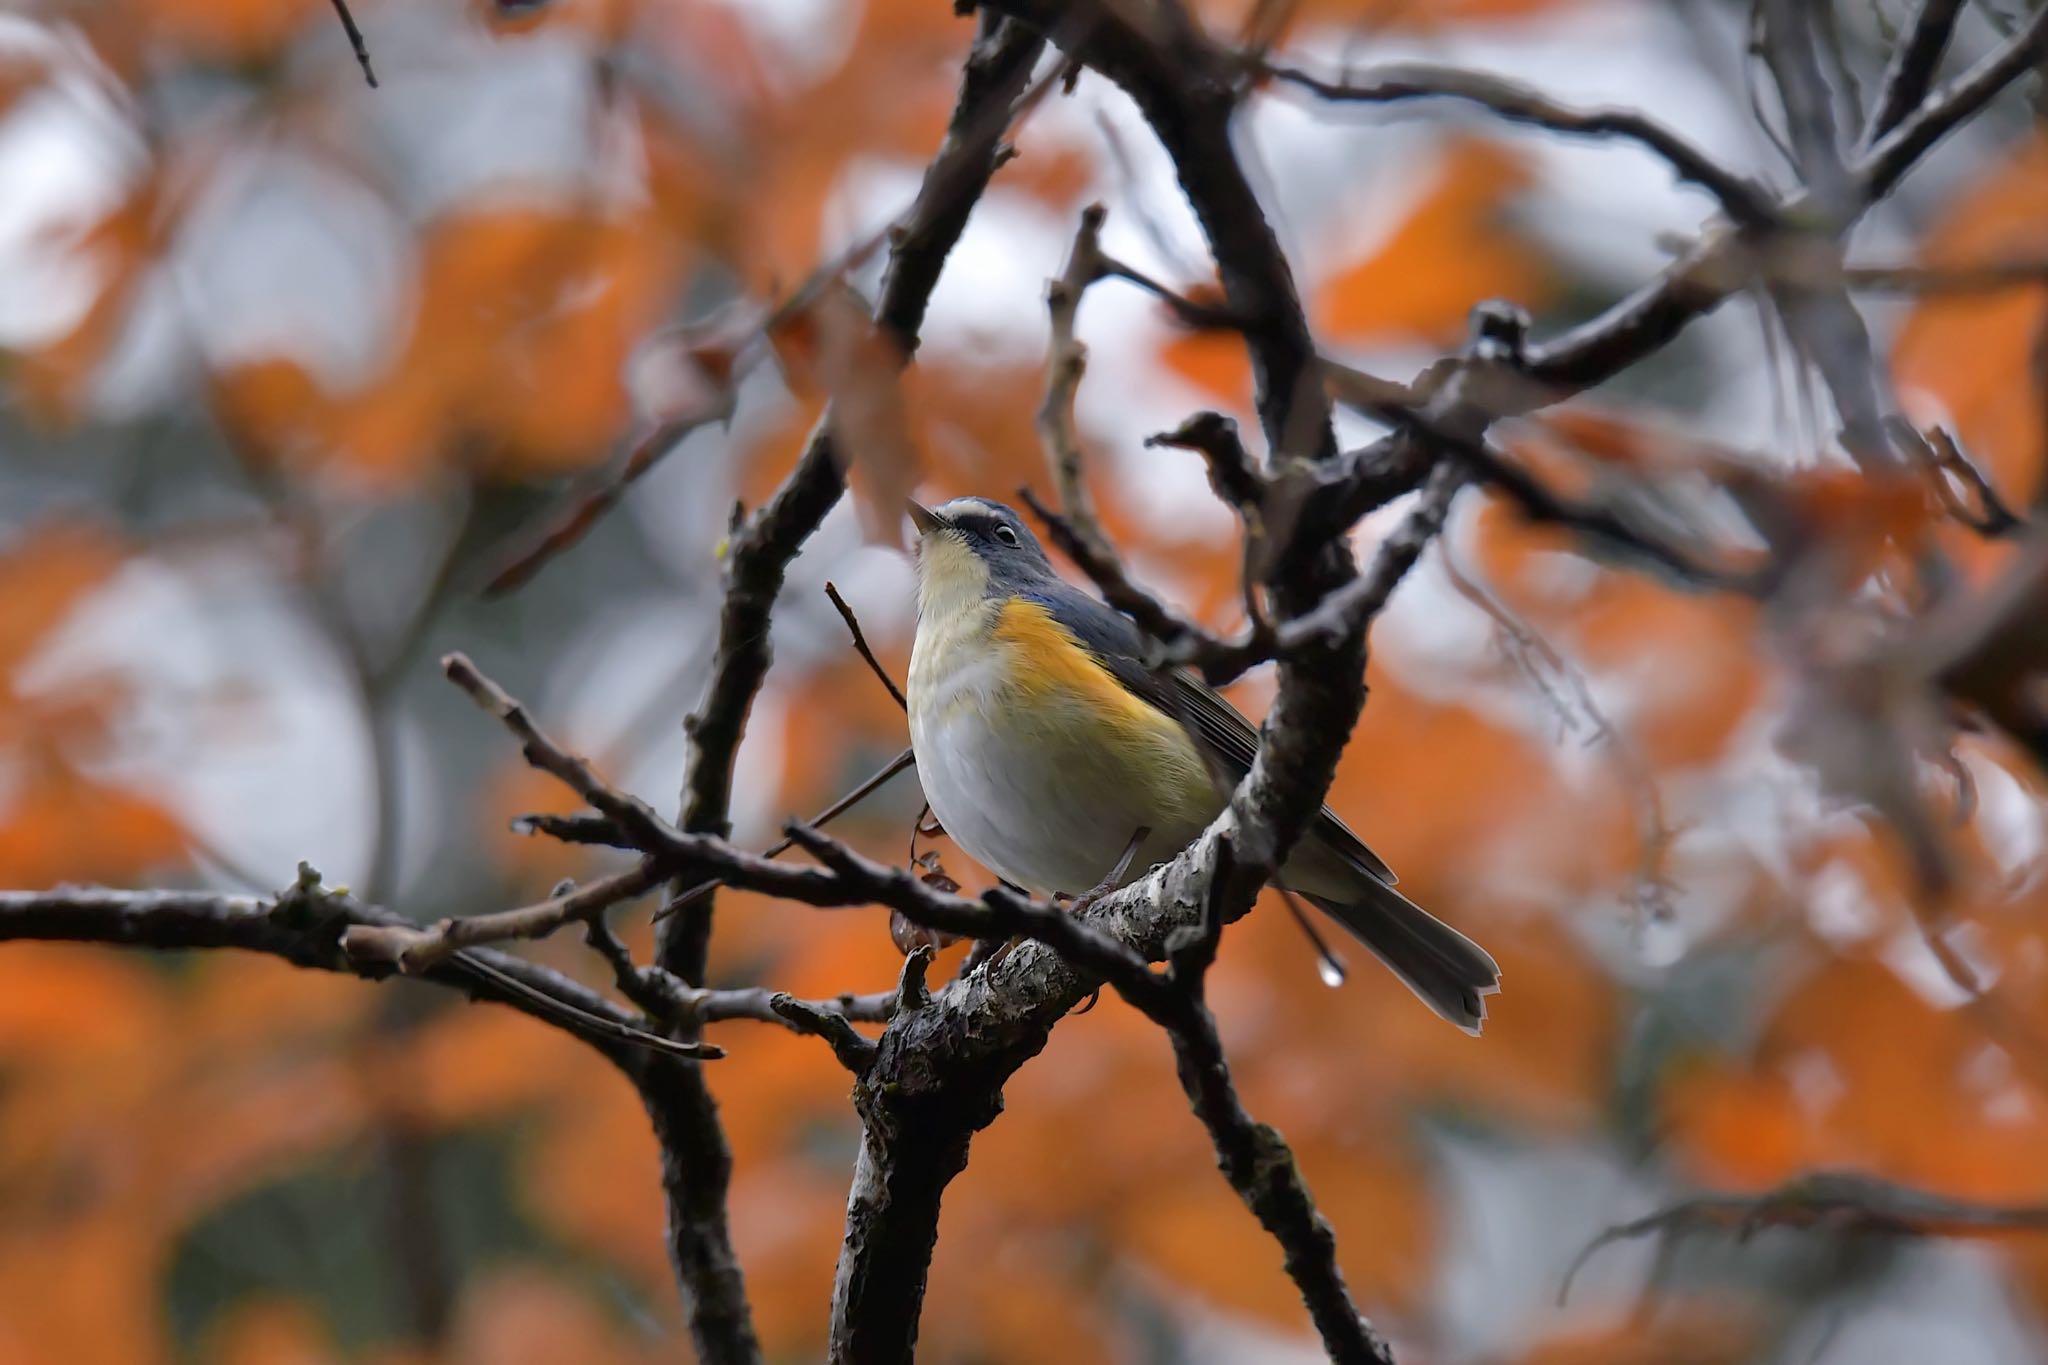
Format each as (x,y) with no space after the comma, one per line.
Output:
(1045,745)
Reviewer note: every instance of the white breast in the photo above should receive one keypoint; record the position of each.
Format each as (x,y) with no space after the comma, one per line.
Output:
(1026,813)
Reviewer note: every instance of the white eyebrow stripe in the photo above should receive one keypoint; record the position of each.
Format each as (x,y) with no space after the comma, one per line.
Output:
(959,506)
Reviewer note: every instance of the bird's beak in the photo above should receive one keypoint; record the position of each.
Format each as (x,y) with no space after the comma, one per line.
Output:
(923,518)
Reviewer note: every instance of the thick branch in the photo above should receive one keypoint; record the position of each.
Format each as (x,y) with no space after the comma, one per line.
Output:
(938,1074)
(1187,91)
(1253,1156)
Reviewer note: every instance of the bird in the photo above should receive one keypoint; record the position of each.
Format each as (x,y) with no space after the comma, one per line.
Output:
(1055,756)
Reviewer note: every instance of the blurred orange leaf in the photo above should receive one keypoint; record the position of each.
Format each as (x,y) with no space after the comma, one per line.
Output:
(1214,362)
(1823,1091)
(267,1331)
(1452,250)
(1974,352)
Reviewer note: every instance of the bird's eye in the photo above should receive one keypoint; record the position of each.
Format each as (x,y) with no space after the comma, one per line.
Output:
(1006,535)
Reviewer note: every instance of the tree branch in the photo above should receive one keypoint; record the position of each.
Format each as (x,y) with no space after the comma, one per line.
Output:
(1742,199)
(854,1052)
(1888,160)
(1846,1201)
(412,950)
(1253,1156)
(305,925)
(939,1072)
(697,1162)
(1910,72)
(356,43)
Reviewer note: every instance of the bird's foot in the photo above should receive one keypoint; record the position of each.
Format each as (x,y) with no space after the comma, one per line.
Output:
(1077,904)
(986,955)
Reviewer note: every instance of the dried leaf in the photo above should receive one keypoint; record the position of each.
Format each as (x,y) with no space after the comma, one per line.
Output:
(909,936)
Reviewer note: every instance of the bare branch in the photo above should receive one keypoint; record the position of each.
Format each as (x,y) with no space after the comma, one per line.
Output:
(1791,52)
(1540,504)
(1910,73)
(1979,505)
(1742,199)
(1881,168)
(1844,1201)
(855,1053)
(1357,602)
(572,829)
(1232,472)
(355,40)
(569,524)
(1253,1156)
(697,1163)
(413,950)
(634,818)
(665,997)
(1106,570)
(860,644)
(680,901)
(1985,277)
(1066,359)
(305,926)
(1819,315)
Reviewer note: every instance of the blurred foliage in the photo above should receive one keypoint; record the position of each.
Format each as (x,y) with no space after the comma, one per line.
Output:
(315,356)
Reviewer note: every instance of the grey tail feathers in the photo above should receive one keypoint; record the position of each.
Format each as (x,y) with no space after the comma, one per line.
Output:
(1451,973)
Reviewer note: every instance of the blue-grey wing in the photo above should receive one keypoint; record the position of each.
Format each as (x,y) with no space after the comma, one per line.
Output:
(1225,735)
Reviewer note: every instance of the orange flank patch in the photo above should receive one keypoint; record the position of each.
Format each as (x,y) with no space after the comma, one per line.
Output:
(1050,663)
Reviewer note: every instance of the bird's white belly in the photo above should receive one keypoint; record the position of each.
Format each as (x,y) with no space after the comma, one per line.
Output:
(1015,809)
(1022,788)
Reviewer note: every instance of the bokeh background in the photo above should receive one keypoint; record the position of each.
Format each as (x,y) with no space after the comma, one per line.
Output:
(291,365)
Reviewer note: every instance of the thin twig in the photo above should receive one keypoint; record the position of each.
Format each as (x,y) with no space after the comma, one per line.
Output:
(1528,647)
(567,526)
(412,951)
(1979,506)
(634,817)
(1984,277)
(1744,201)
(1540,504)
(588,829)
(860,644)
(356,42)
(546,1005)
(665,997)
(679,901)
(1066,359)
(1846,1201)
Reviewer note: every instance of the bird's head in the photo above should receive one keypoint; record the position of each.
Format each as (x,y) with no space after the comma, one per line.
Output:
(970,550)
